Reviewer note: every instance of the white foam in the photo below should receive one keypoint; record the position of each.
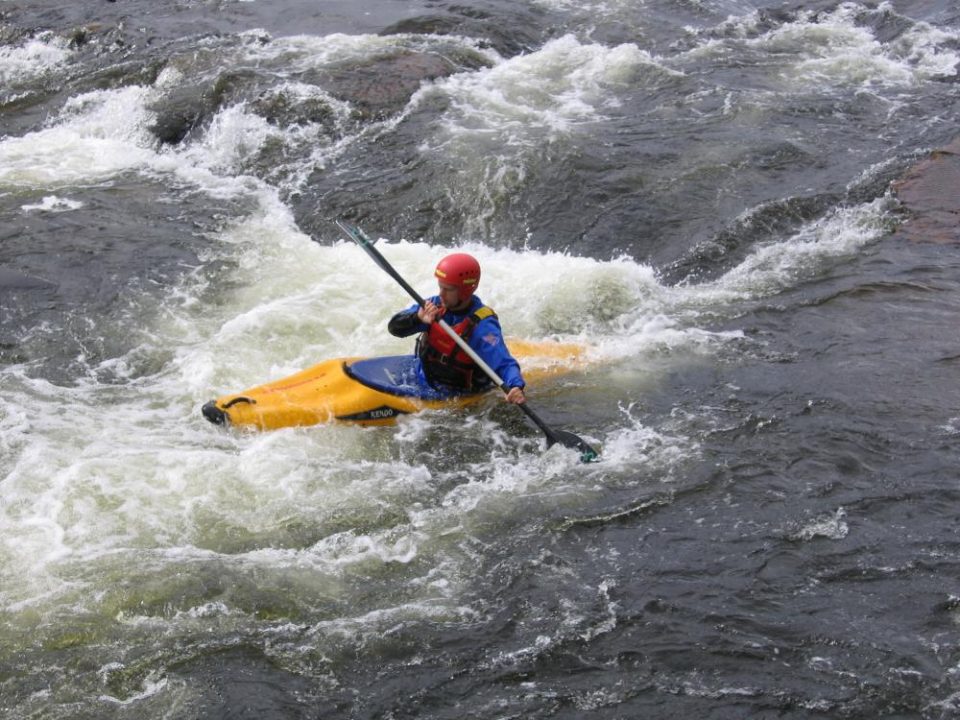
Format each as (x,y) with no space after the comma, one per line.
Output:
(927,49)
(97,136)
(778,266)
(304,52)
(150,687)
(53,204)
(562,84)
(501,120)
(31,59)
(838,48)
(952,427)
(832,527)
(233,138)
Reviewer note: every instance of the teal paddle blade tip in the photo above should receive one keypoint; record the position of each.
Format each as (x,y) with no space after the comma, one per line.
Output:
(568,439)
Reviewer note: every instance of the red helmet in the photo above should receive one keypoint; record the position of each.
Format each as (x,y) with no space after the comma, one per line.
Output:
(461,270)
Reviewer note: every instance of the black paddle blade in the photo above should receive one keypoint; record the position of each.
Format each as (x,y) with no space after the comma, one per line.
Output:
(568,439)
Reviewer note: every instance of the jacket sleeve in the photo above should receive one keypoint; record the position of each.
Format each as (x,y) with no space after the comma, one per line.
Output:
(487,340)
(406,323)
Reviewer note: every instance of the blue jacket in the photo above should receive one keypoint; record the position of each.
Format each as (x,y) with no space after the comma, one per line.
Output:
(486,340)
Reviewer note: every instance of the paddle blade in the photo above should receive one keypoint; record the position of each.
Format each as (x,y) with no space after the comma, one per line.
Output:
(569,440)
(354,233)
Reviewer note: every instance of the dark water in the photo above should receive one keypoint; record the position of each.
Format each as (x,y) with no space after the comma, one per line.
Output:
(699,192)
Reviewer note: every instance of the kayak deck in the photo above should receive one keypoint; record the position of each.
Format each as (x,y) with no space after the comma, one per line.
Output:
(394,375)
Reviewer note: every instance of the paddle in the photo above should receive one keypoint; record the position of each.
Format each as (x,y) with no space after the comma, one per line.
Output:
(567,439)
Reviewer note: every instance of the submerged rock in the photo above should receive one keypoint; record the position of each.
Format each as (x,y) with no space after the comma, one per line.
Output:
(374,89)
(10,279)
(382,86)
(930,193)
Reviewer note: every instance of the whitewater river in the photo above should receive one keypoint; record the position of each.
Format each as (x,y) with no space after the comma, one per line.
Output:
(699,192)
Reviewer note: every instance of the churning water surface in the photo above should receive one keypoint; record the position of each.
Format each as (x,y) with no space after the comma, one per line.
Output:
(698,192)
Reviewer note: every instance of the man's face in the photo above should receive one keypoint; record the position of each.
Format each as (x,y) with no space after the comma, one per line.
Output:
(450,296)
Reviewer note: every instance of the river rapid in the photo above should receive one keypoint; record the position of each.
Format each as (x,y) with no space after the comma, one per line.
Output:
(700,192)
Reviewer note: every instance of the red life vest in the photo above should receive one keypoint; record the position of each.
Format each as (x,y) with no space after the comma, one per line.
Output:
(445,363)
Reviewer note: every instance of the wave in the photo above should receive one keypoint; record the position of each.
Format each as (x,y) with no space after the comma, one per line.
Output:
(30,59)
(851,45)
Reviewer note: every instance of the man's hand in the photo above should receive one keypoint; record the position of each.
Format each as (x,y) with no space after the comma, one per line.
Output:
(515,396)
(429,313)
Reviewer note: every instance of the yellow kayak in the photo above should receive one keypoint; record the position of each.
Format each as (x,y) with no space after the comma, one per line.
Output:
(368,391)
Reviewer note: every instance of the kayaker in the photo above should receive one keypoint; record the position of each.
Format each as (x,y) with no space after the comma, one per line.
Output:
(442,362)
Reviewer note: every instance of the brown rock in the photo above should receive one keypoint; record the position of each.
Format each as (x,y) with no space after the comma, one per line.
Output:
(930,192)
